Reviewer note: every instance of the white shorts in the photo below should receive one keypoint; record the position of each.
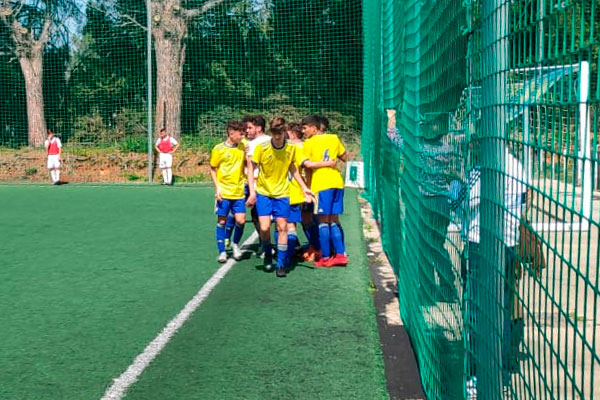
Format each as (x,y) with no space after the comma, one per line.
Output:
(165,160)
(53,161)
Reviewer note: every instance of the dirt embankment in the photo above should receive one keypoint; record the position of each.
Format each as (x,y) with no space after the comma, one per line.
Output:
(101,165)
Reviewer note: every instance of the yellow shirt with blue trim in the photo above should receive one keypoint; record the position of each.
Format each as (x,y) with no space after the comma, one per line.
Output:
(273,166)
(324,147)
(296,192)
(229,162)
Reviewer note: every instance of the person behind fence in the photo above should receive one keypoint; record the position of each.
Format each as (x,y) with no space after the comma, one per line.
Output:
(165,146)
(53,149)
(465,199)
(435,159)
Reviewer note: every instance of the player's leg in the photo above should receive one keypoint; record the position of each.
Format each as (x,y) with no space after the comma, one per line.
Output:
(229,225)
(337,237)
(239,209)
(311,230)
(282,244)
(222,209)
(295,217)
(292,242)
(50,166)
(169,165)
(325,203)
(281,213)
(264,209)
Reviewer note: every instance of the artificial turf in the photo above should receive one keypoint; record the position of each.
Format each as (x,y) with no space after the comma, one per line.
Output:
(92,274)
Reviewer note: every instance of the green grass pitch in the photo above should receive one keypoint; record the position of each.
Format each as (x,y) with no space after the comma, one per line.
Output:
(90,275)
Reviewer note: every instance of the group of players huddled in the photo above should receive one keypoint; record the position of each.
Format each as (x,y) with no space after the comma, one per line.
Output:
(287,177)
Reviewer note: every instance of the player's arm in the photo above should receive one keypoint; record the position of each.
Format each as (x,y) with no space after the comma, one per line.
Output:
(319,164)
(213,177)
(250,171)
(296,174)
(176,147)
(343,155)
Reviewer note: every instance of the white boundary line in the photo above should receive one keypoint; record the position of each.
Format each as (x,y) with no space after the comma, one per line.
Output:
(130,376)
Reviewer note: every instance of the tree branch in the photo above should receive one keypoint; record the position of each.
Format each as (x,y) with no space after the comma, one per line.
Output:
(189,14)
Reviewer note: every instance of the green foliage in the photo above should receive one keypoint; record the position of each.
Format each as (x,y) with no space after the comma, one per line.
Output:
(31,171)
(134,144)
(133,177)
(199,178)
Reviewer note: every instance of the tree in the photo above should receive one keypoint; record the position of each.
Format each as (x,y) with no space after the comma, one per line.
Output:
(170,28)
(30,26)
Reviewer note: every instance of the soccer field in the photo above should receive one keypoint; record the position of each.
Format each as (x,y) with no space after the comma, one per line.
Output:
(91,275)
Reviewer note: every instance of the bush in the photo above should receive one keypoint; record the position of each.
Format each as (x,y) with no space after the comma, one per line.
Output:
(134,145)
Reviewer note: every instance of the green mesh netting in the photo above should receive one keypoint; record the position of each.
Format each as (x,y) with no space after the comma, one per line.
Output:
(480,141)
(81,69)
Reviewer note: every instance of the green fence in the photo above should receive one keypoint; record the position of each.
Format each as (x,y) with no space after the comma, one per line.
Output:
(106,75)
(480,142)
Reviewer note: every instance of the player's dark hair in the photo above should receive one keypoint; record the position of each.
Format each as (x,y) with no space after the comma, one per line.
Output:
(297,129)
(278,125)
(324,122)
(311,120)
(256,120)
(235,126)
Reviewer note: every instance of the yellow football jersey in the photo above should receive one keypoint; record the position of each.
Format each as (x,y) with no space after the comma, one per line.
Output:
(324,147)
(296,193)
(229,162)
(273,166)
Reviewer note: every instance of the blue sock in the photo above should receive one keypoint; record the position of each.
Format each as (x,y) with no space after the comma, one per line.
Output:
(324,240)
(338,239)
(282,250)
(267,248)
(229,226)
(292,242)
(314,235)
(306,229)
(238,231)
(220,238)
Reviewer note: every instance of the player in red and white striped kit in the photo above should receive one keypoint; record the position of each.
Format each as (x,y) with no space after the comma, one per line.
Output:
(166,146)
(53,149)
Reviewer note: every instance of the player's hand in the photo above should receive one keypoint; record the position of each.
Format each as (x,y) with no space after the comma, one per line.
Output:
(218,195)
(310,196)
(251,200)
(330,163)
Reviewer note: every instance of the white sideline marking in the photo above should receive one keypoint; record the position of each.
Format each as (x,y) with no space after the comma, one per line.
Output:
(130,376)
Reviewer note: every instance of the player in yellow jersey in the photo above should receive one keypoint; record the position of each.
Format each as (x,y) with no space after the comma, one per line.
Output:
(328,185)
(274,160)
(227,161)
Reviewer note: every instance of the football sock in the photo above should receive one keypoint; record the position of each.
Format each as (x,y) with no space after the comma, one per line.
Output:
(169,175)
(324,240)
(292,242)
(282,249)
(164,174)
(237,233)
(229,226)
(220,237)
(337,239)
(268,250)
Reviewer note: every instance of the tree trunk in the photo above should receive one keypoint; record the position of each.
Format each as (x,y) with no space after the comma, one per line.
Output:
(169,48)
(33,73)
